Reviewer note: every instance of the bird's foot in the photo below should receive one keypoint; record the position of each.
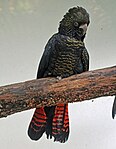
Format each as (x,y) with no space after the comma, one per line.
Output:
(59,77)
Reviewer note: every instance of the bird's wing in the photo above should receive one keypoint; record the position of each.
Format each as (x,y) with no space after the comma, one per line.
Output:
(44,62)
(85,59)
(38,123)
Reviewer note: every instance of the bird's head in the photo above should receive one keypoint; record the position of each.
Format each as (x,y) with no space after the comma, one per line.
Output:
(75,23)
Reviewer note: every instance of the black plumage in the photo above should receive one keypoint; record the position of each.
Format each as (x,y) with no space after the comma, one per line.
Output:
(114,108)
(65,55)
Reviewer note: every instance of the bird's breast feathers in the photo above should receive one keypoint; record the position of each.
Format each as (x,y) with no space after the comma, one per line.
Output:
(65,60)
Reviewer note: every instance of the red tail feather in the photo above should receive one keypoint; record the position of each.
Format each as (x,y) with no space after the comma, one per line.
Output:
(55,124)
(60,128)
(37,124)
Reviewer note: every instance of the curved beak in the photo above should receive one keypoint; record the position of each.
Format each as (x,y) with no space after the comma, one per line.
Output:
(84,27)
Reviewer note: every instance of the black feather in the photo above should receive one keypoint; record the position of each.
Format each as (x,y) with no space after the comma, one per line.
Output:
(114,108)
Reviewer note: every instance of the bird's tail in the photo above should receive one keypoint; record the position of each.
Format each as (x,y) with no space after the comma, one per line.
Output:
(37,124)
(53,120)
(114,108)
(60,124)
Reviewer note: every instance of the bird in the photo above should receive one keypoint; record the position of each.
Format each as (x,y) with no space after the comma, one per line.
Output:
(64,55)
(114,108)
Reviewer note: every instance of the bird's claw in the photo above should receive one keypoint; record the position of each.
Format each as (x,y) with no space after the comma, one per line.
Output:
(59,77)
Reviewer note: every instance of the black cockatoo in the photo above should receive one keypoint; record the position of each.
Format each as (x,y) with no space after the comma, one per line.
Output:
(65,55)
(114,108)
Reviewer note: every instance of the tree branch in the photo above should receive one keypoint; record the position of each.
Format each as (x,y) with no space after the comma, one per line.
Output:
(51,91)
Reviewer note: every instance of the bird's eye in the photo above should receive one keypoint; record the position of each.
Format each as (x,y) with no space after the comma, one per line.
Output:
(76,24)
